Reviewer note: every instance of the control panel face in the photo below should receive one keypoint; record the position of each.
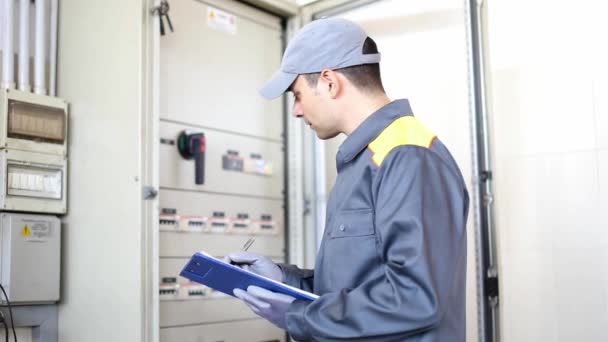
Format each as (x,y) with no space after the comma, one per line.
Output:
(221,153)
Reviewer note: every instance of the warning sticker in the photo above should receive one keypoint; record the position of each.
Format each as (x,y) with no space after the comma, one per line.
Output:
(36,231)
(220,20)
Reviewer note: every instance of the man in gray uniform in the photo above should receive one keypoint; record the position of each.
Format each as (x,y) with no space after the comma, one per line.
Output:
(392,263)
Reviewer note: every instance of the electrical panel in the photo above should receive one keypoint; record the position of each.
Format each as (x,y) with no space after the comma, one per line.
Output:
(33,152)
(30,258)
(221,152)
(33,179)
(217,217)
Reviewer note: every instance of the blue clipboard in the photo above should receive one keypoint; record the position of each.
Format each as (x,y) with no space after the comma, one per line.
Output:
(205,269)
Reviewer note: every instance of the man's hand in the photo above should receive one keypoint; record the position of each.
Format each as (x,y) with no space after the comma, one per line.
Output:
(255,263)
(269,305)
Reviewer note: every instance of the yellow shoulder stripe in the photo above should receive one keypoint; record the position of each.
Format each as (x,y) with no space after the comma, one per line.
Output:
(406,130)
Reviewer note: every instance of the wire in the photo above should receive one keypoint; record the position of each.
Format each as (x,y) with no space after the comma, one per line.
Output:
(10,311)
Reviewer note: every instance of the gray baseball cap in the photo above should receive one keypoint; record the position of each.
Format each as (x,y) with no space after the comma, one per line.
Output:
(331,43)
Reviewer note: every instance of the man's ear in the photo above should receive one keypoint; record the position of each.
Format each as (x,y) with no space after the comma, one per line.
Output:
(330,82)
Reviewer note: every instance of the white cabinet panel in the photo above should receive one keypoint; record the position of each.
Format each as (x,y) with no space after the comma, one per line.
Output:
(207,310)
(209,76)
(243,331)
(185,244)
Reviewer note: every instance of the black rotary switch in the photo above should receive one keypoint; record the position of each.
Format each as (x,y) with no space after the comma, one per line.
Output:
(193,146)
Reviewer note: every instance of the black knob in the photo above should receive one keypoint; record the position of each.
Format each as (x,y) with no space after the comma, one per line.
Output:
(193,146)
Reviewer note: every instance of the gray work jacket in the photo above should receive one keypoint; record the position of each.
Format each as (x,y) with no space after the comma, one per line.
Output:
(392,262)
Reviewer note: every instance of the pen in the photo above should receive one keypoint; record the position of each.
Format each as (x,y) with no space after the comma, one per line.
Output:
(248,244)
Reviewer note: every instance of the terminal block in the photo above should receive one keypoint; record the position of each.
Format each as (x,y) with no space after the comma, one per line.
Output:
(168,288)
(241,224)
(194,291)
(168,222)
(266,225)
(193,224)
(218,223)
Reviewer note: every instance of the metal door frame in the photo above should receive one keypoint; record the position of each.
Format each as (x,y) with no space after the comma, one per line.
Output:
(485,226)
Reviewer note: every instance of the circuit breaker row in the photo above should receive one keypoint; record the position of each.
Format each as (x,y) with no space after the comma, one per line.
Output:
(240,196)
(218,223)
(178,239)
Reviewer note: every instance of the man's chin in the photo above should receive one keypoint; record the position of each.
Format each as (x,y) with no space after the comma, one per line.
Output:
(326,135)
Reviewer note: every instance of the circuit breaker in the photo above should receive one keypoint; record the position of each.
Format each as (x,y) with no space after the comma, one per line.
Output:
(30,258)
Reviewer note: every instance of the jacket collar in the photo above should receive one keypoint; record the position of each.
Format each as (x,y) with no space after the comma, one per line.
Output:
(369,129)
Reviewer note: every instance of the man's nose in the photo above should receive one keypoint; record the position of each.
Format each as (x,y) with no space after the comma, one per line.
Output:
(297,110)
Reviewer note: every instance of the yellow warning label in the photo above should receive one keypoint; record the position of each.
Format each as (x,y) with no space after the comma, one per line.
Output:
(26,231)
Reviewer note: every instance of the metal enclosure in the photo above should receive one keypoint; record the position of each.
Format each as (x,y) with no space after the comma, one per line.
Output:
(29,258)
(210,68)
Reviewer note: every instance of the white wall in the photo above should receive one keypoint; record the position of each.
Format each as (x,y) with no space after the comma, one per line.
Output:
(424,59)
(100,75)
(550,134)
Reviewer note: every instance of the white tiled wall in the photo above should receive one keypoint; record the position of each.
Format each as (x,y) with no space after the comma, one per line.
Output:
(533,297)
(543,109)
(600,101)
(603,172)
(549,119)
(602,156)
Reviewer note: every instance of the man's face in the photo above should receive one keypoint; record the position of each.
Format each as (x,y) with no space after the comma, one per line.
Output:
(312,105)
